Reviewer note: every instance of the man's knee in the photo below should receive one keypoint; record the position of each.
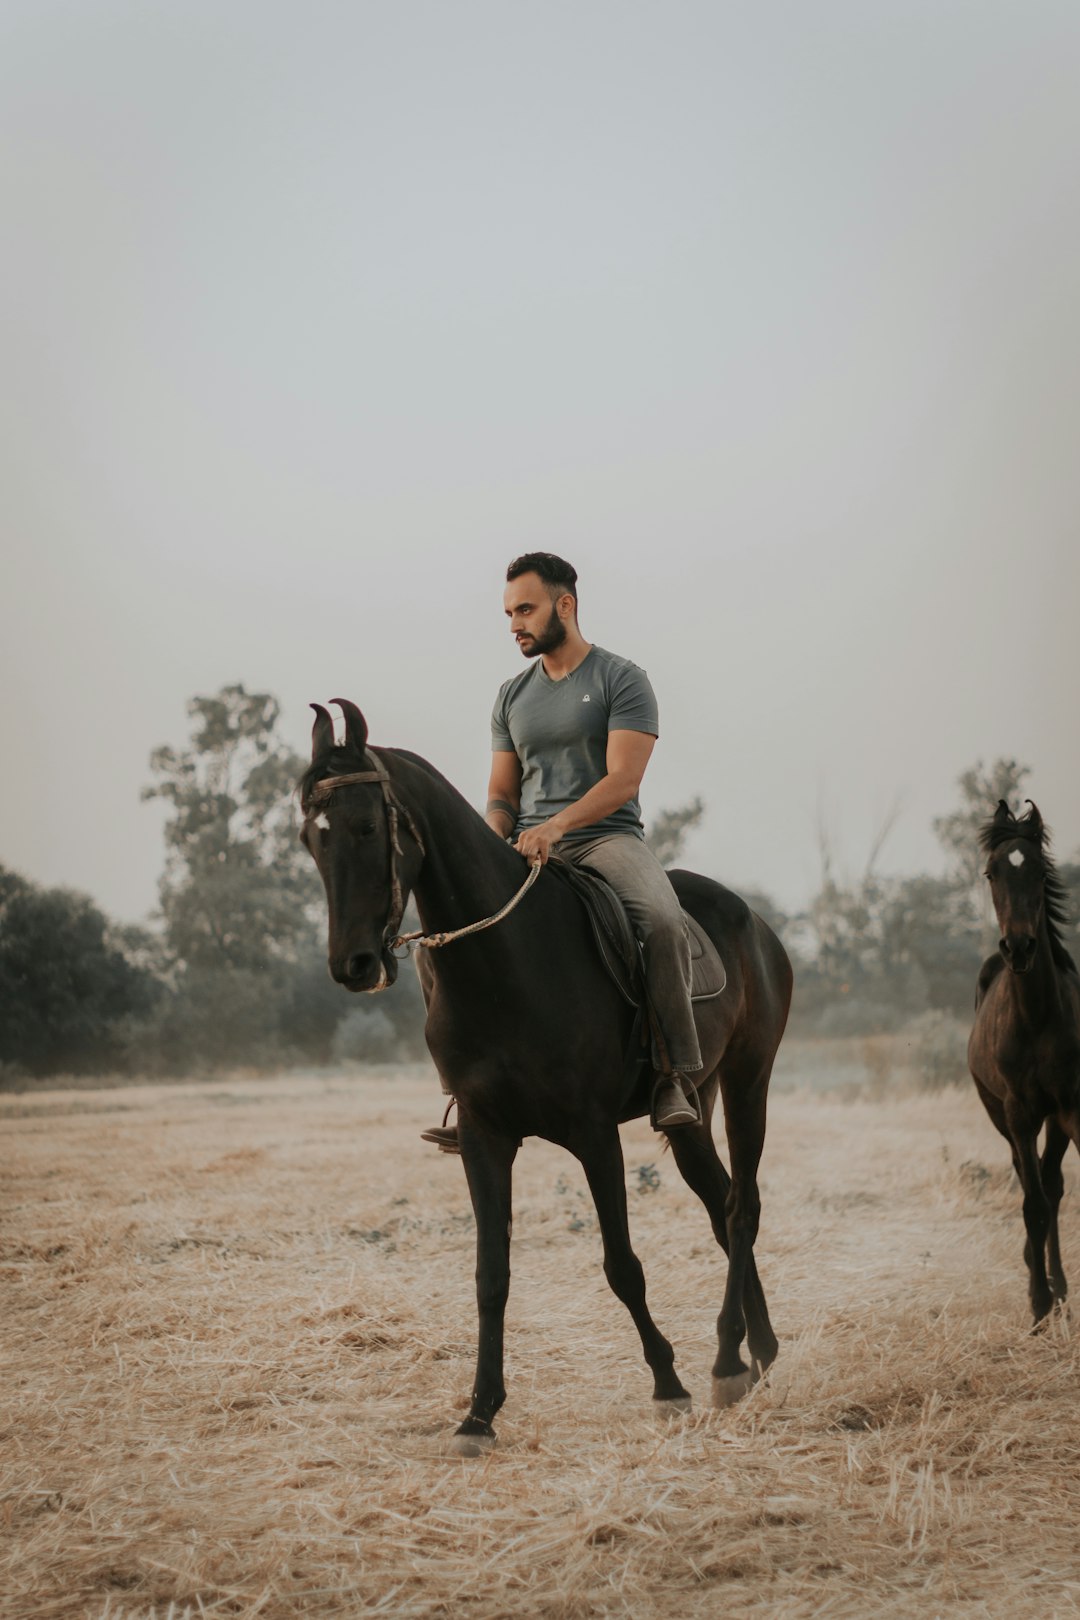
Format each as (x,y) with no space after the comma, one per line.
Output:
(666,933)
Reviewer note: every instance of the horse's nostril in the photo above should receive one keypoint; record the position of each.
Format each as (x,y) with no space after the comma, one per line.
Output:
(1019,951)
(360,965)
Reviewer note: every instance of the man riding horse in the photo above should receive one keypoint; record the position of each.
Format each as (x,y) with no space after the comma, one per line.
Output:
(571,738)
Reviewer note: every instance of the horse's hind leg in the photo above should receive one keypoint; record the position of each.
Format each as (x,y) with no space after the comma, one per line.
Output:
(601,1156)
(699,1165)
(744,1088)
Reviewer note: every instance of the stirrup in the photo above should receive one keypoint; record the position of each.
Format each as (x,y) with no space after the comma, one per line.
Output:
(444,1136)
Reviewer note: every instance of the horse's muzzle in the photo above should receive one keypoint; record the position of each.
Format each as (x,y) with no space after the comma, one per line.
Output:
(365,971)
(1018,951)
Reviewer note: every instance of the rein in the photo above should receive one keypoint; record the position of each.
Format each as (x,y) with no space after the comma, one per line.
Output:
(434,940)
(321,794)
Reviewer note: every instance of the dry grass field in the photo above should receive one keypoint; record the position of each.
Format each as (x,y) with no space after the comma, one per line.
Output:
(238,1325)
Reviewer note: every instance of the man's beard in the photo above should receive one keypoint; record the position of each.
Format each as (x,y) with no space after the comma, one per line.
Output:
(553,635)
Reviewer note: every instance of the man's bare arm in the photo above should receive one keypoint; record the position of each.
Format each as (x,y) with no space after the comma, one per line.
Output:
(504,793)
(628,753)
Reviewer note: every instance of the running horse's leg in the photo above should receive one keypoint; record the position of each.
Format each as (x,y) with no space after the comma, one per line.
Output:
(600,1153)
(1054,1186)
(1045,1177)
(1024,1132)
(489,1160)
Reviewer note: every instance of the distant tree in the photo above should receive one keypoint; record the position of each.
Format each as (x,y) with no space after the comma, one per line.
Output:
(238,892)
(243,909)
(69,982)
(666,834)
(980,789)
(930,943)
(890,947)
(844,924)
(239,896)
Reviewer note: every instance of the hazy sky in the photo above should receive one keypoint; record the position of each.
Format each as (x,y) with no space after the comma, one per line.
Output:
(765,315)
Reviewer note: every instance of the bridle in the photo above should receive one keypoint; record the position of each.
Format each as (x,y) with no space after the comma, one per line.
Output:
(321,794)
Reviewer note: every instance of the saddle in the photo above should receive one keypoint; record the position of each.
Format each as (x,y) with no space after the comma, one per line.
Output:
(619,947)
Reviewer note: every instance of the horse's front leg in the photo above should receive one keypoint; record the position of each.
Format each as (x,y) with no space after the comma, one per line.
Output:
(489,1160)
(1054,1186)
(600,1153)
(1036,1208)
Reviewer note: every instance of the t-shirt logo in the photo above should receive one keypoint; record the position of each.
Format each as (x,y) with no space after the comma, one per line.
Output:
(585,699)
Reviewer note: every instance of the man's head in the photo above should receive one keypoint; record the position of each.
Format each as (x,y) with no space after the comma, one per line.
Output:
(540,601)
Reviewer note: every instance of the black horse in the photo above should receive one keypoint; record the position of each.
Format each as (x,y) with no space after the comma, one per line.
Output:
(530,1034)
(1024,1051)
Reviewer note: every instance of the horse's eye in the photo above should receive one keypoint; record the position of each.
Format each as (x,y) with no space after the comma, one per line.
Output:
(366,829)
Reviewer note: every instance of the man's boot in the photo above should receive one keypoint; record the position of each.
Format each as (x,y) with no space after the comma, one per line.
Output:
(444,1136)
(674,1103)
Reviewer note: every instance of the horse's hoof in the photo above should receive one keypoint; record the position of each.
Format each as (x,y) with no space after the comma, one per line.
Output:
(726,1391)
(470,1445)
(673,1408)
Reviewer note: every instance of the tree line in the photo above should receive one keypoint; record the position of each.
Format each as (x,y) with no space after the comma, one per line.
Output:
(232,971)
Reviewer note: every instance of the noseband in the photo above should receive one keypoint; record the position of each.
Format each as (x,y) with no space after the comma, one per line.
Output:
(322,793)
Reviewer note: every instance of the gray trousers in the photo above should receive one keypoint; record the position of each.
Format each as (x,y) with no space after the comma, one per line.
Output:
(644,888)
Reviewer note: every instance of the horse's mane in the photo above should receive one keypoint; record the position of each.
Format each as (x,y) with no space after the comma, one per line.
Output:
(1032,828)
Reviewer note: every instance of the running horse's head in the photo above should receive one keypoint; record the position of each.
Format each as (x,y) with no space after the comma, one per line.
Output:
(1017,868)
(365,845)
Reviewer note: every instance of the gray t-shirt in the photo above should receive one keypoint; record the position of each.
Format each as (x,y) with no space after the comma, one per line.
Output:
(559,731)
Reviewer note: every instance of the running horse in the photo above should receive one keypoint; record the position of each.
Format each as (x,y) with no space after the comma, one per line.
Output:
(1024,1051)
(530,1034)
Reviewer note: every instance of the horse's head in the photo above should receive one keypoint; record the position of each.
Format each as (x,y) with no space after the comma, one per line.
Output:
(1016,868)
(351,830)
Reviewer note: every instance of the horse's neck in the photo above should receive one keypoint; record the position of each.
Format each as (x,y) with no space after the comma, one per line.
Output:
(467,872)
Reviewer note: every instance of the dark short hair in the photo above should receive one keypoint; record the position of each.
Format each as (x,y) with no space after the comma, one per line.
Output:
(557,574)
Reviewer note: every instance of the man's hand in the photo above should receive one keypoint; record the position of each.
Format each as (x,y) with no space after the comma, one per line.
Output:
(535,842)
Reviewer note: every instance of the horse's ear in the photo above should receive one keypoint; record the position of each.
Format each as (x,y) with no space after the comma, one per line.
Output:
(322,733)
(1033,818)
(355,725)
(1002,815)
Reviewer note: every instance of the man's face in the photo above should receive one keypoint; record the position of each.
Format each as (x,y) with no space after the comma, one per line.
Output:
(535,623)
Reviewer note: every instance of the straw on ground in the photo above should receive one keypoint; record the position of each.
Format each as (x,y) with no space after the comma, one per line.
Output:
(239,1325)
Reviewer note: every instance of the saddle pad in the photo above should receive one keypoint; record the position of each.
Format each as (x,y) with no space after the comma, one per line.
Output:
(618,945)
(709,972)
